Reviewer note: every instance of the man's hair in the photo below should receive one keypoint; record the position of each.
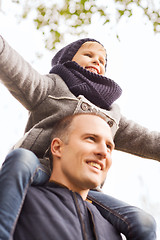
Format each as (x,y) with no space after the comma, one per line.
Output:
(62,128)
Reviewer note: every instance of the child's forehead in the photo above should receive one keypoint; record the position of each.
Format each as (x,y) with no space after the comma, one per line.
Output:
(93,45)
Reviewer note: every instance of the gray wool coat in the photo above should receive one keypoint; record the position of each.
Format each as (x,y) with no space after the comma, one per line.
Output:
(47,98)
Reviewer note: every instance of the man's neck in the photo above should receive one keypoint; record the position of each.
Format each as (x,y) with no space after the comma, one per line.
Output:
(83,193)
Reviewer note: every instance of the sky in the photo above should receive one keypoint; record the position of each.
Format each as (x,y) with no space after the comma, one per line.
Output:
(133,62)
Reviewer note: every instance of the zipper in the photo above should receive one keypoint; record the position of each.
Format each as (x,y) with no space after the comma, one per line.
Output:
(94,230)
(79,215)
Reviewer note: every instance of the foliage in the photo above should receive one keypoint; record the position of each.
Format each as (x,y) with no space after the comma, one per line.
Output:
(58,18)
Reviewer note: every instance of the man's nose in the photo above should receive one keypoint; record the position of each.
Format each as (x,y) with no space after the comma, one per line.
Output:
(102,151)
(104,154)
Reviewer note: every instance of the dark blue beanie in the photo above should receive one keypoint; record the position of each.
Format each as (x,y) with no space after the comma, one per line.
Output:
(97,88)
(67,53)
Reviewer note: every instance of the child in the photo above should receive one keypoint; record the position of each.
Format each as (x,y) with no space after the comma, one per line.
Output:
(76,83)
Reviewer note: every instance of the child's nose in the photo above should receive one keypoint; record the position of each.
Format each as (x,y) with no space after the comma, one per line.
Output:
(96,61)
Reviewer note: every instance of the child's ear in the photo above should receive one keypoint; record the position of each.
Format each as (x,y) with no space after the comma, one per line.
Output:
(56,147)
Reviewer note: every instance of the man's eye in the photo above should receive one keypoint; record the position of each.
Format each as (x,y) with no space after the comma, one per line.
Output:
(91,138)
(109,147)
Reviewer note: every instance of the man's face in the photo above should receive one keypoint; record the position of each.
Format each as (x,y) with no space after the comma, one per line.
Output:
(91,56)
(85,159)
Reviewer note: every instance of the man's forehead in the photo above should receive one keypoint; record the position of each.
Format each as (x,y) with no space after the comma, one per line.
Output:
(90,123)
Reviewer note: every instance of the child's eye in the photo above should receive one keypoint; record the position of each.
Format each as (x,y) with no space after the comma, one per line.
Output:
(102,62)
(88,54)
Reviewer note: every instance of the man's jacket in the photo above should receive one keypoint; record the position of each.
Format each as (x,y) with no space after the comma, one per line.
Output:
(53,212)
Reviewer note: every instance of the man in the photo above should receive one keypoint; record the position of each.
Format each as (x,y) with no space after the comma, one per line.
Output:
(81,148)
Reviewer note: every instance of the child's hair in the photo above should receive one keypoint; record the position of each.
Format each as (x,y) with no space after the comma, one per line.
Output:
(67,53)
(98,89)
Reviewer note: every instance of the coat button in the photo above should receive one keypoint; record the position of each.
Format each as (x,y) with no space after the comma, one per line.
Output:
(110,123)
(94,110)
(84,107)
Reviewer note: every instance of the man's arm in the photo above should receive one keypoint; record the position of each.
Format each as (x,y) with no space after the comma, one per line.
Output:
(24,83)
(135,139)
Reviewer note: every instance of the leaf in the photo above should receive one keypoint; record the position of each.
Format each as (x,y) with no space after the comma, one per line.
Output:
(76,15)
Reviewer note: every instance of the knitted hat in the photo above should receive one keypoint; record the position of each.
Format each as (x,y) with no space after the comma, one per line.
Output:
(67,53)
(97,88)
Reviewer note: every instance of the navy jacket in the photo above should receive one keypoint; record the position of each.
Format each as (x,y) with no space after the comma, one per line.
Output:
(53,212)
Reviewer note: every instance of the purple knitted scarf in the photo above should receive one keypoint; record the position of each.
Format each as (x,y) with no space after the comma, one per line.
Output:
(98,89)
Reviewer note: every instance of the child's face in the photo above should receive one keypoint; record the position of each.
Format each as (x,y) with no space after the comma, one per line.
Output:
(91,56)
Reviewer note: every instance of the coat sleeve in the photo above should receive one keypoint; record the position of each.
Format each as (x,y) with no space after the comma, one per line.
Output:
(28,86)
(135,139)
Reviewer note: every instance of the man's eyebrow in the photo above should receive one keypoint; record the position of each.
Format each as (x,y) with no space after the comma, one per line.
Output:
(97,136)
(87,134)
(93,134)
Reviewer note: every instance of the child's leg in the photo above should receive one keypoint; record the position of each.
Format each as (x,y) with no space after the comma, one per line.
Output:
(133,222)
(17,173)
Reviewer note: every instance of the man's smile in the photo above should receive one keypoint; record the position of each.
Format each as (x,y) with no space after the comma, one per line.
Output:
(96,164)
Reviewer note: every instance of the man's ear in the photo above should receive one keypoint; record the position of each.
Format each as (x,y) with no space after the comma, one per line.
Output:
(56,145)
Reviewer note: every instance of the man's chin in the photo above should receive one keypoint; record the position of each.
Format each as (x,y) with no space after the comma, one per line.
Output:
(91,182)
(94,185)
